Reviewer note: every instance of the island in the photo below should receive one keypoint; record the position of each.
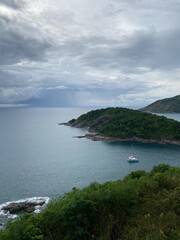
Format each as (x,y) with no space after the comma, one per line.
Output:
(123,124)
(167,105)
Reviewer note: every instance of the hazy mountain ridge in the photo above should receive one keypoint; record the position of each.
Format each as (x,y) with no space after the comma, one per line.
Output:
(167,105)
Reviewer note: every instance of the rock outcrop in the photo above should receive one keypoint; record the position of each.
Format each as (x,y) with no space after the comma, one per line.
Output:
(22,207)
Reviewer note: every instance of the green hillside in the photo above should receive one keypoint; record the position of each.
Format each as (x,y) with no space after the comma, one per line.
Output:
(167,105)
(126,123)
(142,206)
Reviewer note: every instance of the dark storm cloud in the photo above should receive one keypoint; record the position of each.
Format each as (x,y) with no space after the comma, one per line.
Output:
(19,39)
(12,79)
(16,4)
(149,49)
(153,50)
(3,20)
(53,98)
(14,47)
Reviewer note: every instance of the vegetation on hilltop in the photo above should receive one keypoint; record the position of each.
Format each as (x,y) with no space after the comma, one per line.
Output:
(127,123)
(142,206)
(167,105)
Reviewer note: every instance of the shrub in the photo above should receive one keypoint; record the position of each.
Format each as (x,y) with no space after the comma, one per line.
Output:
(142,206)
(161,168)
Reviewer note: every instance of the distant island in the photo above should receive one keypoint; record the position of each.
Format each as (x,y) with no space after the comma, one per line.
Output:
(122,124)
(167,105)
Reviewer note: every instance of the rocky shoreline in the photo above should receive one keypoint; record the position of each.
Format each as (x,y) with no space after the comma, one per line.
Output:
(98,137)
(22,207)
(11,210)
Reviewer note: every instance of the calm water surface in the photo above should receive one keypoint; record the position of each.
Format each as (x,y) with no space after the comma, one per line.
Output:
(40,158)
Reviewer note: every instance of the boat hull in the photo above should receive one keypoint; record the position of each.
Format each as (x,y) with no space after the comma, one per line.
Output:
(133,161)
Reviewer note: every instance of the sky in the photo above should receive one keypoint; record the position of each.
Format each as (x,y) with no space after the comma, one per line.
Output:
(63,53)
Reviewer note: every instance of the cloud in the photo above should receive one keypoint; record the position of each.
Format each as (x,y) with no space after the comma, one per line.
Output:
(15,47)
(18,43)
(102,52)
(147,49)
(15,4)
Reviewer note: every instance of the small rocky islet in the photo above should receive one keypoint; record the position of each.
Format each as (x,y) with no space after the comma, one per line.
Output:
(22,207)
(11,210)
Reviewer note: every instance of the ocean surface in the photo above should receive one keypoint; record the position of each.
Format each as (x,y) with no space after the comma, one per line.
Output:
(39,158)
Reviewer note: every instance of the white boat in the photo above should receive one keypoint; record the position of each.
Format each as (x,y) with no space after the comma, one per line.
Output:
(132,159)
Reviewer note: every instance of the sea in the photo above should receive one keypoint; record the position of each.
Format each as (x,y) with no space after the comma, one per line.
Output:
(39,158)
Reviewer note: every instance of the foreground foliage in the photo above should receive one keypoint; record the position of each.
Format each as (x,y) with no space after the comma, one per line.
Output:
(127,123)
(143,206)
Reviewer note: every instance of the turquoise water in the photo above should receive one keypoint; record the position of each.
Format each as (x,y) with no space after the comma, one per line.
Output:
(40,158)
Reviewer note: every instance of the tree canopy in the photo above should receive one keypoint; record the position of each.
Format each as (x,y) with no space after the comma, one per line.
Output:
(127,123)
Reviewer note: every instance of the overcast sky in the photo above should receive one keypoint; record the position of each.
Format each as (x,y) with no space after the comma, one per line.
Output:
(89,52)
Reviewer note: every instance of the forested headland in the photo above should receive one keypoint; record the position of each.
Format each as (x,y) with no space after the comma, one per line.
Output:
(127,124)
